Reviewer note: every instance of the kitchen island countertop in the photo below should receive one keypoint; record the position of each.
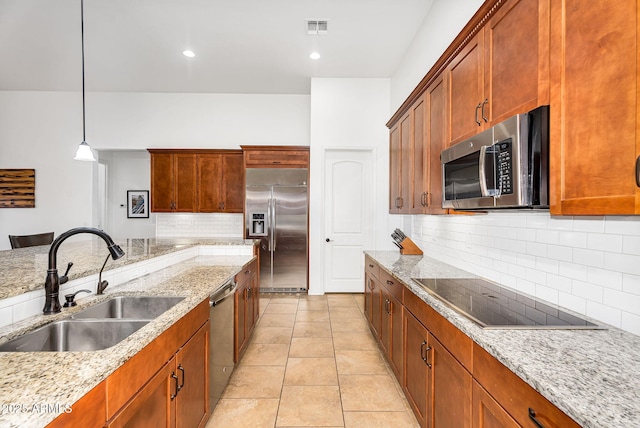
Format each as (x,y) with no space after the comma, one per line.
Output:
(33,381)
(591,375)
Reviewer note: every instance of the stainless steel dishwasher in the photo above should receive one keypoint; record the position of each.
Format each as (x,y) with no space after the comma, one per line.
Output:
(221,340)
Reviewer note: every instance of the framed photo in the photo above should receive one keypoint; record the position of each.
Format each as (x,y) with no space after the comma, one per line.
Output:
(137,204)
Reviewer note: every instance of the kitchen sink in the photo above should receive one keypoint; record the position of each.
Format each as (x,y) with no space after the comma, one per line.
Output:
(127,307)
(74,336)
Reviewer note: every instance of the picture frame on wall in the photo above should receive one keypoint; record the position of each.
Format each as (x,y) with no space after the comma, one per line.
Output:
(137,204)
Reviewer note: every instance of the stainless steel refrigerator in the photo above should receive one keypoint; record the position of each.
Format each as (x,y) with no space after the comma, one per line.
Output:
(276,207)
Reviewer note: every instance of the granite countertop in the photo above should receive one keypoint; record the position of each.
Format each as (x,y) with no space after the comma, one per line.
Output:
(62,378)
(591,375)
(25,269)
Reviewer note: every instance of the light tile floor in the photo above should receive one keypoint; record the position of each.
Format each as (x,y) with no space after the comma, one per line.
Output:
(312,362)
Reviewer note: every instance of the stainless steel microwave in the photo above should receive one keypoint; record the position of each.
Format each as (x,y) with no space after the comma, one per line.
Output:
(506,166)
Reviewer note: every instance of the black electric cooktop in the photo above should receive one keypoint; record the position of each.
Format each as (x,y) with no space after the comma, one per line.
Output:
(493,306)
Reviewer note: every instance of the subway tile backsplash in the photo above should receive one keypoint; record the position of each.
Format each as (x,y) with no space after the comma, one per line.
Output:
(590,265)
(199,225)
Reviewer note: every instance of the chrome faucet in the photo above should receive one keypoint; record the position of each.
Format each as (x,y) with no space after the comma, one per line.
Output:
(52,283)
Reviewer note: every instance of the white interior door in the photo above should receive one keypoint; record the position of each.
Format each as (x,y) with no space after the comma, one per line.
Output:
(349,210)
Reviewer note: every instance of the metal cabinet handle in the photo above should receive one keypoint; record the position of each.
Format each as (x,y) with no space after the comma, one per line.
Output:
(173,375)
(424,353)
(387,306)
(532,416)
(476,119)
(182,383)
(389,282)
(485,102)
(638,171)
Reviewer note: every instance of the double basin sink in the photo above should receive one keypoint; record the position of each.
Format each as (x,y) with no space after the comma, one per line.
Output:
(98,327)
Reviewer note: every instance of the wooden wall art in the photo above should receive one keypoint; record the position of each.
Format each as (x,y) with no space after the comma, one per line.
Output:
(17,188)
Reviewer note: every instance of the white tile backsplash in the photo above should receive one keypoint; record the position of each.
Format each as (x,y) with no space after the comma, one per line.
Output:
(199,225)
(587,264)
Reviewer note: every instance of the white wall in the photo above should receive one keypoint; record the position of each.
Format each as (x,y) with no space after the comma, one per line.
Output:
(441,25)
(42,130)
(348,113)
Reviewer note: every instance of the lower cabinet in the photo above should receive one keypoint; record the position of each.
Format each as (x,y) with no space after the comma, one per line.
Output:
(247,308)
(448,380)
(177,395)
(163,385)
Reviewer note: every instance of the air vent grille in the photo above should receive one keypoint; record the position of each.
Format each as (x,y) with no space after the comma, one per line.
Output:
(316,26)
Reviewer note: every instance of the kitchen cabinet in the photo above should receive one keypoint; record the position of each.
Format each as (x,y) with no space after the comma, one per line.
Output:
(176,396)
(395,165)
(373,296)
(221,182)
(448,380)
(518,399)
(400,166)
(173,182)
(246,303)
(594,108)
(502,70)
(197,181)
(436,385)
(276,156)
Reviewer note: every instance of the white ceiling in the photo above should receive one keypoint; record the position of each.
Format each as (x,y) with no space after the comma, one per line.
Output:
(242,46)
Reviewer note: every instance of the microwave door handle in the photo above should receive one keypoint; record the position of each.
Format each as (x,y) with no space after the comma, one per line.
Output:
(484,191)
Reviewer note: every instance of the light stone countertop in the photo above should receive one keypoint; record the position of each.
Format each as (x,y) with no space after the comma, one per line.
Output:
(62,378)
(591,375)
(25,269)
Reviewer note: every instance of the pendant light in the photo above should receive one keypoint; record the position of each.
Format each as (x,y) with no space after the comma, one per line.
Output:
(84,151)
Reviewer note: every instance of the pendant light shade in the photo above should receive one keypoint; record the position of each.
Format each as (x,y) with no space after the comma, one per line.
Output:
(84,152)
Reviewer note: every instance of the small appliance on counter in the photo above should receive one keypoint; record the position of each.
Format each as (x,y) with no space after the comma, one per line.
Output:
(406,245)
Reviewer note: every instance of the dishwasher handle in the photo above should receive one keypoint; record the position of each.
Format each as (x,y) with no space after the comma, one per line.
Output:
(226,291)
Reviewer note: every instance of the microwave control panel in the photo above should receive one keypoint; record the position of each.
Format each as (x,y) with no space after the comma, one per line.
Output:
(504,168)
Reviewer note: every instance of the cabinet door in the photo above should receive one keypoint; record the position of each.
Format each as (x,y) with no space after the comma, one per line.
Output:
(420,154)
(250,303)
(434,144)
(397,349)
(162,182)
(185,183)
(416,371)
(465,91)
(376,306)
(594,107)
(368,297)
(240,336)
(394,170)
(233,183)
(210,173)
(406,164)
(192,403)
(450,387)
(153,405)
(487,413)
(516,59)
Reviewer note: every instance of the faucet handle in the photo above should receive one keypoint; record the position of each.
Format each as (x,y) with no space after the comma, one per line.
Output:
(64,278)
(70,298)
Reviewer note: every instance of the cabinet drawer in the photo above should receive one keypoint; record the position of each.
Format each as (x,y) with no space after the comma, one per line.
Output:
(456,342)
(276,158)
(514,394)
(371,267)
(393,285)
(247,272)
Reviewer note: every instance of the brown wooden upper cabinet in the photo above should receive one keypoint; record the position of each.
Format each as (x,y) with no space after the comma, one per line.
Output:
(173,179)
(595,133)
(502,70)
(276,156)
(221,182)
(197,180)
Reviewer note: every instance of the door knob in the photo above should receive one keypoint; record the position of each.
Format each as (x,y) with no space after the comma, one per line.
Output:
(328,240)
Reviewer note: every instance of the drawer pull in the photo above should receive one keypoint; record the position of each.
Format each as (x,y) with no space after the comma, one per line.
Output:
(638,171)
(476,119)
(247,272)
(532,416)
(424,353)
(387,306)
(389,282)
(370,265)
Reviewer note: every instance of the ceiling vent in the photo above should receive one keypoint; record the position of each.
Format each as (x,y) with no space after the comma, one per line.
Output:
(316,27)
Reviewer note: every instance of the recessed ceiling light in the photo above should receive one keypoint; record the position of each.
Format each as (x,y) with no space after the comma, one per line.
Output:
(188,53)
(314,55)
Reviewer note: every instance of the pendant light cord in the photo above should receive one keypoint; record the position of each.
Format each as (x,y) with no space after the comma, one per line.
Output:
(84,138)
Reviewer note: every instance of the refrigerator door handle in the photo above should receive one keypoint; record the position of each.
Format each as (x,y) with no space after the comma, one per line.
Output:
(273,223)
